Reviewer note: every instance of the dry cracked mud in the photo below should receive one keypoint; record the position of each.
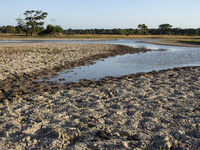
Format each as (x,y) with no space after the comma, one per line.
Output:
(155,110)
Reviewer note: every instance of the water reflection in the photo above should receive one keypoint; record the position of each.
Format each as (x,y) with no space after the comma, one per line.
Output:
(134,63)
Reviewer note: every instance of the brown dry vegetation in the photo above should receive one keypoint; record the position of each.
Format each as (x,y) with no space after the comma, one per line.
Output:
(170,39)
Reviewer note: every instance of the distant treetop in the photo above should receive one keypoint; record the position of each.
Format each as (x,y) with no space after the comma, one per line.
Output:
(32,24)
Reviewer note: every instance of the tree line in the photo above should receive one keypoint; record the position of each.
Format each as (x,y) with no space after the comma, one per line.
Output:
(50,29)
(138,31)
(32,24)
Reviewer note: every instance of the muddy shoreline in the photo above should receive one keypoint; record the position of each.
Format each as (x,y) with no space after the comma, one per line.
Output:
(26,84)
(154,110)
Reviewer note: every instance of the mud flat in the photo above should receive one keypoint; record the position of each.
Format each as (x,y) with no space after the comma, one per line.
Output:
(21,58)
(170,43)
(56,39)
(156,110)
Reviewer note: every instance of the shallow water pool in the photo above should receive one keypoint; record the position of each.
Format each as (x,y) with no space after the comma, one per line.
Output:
(161,57)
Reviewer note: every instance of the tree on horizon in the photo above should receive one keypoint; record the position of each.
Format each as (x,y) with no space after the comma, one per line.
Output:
(32,24)
(143,28)
(164,27)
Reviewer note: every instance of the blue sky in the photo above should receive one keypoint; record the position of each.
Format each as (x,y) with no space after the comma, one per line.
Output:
(107,14)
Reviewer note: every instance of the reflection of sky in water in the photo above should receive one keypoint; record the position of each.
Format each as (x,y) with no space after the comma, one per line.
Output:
(133,63)
(174,56)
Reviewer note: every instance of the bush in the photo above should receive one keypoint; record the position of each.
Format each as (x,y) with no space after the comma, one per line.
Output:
(53,29)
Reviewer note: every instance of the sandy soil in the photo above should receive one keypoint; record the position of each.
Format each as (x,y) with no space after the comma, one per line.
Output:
(156,110)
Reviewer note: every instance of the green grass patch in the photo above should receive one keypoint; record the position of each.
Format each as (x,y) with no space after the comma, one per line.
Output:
(191,41)
(56,50)
(30,50)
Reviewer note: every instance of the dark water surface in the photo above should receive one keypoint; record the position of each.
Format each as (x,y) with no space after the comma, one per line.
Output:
(171,57)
